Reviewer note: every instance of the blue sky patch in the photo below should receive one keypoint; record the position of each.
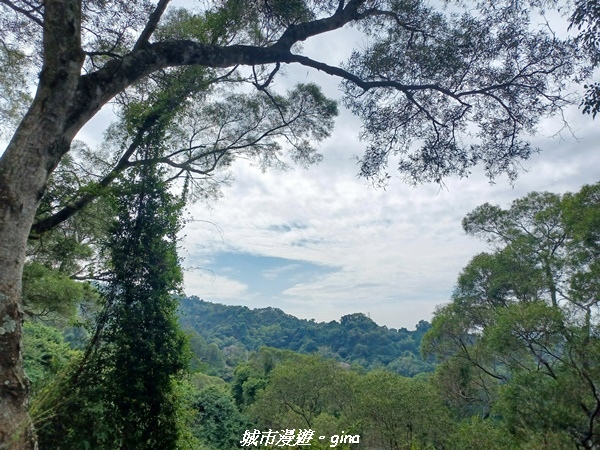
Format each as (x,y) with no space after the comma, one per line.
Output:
(266,276)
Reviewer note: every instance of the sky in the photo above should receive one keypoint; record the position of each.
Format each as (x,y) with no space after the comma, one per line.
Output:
(322,243)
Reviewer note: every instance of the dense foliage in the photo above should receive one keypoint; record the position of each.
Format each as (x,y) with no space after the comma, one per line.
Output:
(518,347)
(121,393)
(227,333)
(520,340)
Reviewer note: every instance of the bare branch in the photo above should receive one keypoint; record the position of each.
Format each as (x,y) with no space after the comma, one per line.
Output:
(27,13)
(151,25)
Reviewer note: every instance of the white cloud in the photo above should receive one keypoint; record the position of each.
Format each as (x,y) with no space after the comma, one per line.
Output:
(271,274)
(205,284)
(398,251)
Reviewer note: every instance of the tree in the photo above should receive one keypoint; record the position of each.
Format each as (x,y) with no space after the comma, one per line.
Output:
(218,422)
(143,345)
(395,413)
(138,351)
(520,336)
(299,391)
(443,92)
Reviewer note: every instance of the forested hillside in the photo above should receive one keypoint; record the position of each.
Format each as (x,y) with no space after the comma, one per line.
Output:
(355,339)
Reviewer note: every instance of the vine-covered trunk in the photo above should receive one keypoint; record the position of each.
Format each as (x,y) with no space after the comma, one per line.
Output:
(41,140)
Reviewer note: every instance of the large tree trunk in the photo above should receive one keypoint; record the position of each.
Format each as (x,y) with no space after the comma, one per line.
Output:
(35,150)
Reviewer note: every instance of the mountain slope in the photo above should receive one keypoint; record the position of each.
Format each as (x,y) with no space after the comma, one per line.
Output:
(355,339)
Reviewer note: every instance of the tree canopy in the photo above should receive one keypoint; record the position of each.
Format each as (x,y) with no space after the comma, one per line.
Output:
(223,336)
(519,339)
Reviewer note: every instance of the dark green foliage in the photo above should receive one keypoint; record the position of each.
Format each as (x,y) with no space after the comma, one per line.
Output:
(145,347)
(218,423)
(356,339)
(123,389)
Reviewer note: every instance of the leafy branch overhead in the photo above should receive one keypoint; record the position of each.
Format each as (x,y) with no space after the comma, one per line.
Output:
(202,133)
(441,91)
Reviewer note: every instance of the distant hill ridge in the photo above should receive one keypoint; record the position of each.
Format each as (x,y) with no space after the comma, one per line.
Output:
(355,339)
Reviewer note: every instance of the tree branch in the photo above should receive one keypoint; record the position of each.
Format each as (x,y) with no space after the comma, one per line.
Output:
(151,24)
(85,199)
(26,13)
(366,85)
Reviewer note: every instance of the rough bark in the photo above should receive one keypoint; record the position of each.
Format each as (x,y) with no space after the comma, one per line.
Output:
(34,151)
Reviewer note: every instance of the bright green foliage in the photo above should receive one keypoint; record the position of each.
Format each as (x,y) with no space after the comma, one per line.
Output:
(386,410)
(46,289)
(46,353)
(306,392)
(520,337)
(299,391)
(52,294)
